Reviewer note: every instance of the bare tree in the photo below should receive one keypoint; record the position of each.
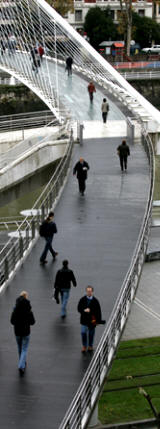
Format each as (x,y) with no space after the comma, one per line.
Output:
(125,24)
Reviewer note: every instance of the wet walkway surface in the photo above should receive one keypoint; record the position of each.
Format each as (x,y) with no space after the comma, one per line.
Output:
(97,233)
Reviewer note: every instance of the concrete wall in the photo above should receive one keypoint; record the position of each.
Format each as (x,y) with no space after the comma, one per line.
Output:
(150,89)
(31,163)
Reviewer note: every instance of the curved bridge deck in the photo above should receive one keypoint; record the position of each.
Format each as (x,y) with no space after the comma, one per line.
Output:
(97,233)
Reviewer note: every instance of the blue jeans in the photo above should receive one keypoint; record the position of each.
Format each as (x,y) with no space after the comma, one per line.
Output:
(87,335)
(64,300)
(23,343)
(48,246)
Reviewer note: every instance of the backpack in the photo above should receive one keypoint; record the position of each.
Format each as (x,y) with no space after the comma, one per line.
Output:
(42,229)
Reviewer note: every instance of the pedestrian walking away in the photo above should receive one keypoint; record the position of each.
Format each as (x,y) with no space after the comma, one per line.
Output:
(123,152)
(22,318)
(91,90)
(90,311)
(80,169)
(69,63)
(105,110)
(64,278)
(47,230)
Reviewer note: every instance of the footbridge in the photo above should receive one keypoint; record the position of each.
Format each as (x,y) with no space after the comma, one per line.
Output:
(104,234)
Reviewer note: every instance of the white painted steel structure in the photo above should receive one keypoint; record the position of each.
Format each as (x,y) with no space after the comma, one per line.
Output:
(34,23)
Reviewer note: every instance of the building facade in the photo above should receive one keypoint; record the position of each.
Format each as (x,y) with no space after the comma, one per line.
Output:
(81,7)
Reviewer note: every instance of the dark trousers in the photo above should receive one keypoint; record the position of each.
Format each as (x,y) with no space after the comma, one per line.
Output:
(104,116)
(82,185)
(48,246)
(91,96)
(123,162)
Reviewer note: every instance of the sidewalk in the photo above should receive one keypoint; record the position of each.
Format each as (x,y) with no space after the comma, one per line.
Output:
(144,319)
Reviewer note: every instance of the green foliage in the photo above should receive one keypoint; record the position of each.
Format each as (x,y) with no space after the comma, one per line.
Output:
(99,26)
(145,30)
(137,364)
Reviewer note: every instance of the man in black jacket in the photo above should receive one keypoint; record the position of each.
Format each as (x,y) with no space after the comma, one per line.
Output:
(90,311)
(63,280)
(22,317)
(81,169)
(49,229)
(123,152)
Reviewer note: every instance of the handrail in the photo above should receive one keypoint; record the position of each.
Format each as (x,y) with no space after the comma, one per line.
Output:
(15,250)
(85,399)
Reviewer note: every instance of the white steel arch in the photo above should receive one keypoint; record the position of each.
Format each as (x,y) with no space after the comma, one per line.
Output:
(33,23)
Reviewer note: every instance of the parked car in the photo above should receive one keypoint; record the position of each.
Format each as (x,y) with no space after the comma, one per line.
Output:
(155,49)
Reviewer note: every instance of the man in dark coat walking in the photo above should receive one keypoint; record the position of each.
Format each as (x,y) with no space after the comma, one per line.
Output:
(81,169)
(69,63)
(90,311)
(123,152)
(49,229)
(22,317)
(63,280)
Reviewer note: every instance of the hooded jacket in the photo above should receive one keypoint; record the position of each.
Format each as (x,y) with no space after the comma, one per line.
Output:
(22,317)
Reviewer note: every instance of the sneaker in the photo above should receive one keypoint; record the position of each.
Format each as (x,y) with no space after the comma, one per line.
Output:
(21,371)
(43,262)
(84,349)
(54,257)
(90,349)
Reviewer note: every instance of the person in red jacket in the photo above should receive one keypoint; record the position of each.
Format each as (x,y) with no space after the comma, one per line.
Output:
(91,90)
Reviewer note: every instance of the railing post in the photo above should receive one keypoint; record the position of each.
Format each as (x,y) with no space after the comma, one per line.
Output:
(21,247)
(13,256)
(33,228)
(27,237)
(6,269)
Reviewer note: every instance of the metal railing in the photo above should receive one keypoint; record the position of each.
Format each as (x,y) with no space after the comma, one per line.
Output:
(13,253)
(86,397)
(133,75)
(23,121)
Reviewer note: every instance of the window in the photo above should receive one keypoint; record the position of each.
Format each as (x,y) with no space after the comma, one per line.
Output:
(141,12)
(112,14)
(78,15)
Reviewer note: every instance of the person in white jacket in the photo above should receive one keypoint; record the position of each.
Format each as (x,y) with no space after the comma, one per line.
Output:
(105,110)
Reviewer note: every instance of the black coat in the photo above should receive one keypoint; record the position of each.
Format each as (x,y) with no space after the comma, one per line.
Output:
(50,229)
(81,169)
(22,317)
(95,308)
(123,150)
(64,278)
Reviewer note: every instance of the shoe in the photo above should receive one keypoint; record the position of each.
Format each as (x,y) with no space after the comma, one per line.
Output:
(84,349)
(90,349)
(21,371)
(43,262)
(63,317)
(54,257)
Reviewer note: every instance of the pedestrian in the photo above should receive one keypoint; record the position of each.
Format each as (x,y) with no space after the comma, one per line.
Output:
(36,59)
(91,90)
(90,311)
(47,230)
(69,62)
(40,51)
(22,318)
(80,169)
(63,280)
(123,152)
(105,110)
